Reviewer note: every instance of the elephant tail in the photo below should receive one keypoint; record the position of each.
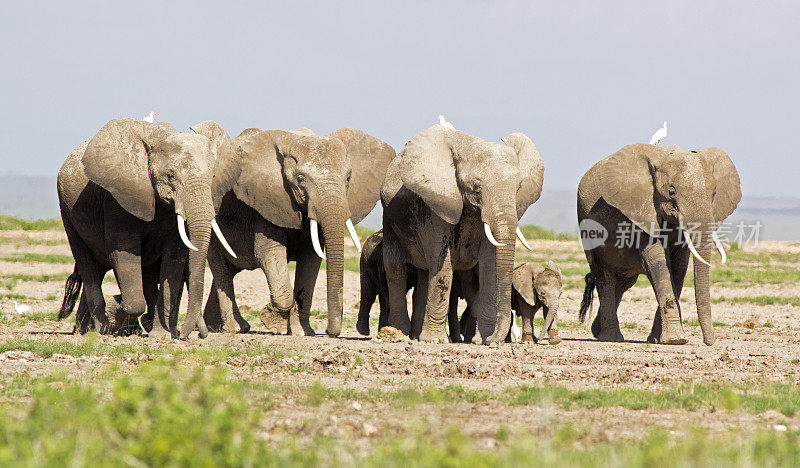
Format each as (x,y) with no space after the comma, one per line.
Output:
(586,303)
(71,290)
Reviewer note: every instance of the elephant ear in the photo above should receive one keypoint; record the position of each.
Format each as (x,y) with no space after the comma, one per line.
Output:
(627,184)
(261,184)
(727,191)
(304,131)
(427,169)
(227,167)
(531,169)
(247,133)
(369,158)
(522,280)
(117,160)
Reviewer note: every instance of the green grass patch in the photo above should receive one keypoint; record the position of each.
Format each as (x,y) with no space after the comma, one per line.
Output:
(29,241)
(534,232)
(362,232)
(35,278)
(760,300)
(39,258)
(784,398)
(9,223)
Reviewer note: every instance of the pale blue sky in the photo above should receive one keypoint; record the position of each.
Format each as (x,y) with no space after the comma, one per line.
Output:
(582,79)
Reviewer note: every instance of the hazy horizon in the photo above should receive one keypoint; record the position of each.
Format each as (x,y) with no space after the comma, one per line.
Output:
(581,79)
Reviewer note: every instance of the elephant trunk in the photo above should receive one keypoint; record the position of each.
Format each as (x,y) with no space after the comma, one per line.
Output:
(702,283)
(504,231)
(199,216)
(550,313)
(332,219)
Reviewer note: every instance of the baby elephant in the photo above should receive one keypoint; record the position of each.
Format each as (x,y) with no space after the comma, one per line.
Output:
(536,286)
(373,283)
(532,287)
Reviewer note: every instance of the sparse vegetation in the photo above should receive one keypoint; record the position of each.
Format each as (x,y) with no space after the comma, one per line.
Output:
(10,223)
(38,258)
(534,232)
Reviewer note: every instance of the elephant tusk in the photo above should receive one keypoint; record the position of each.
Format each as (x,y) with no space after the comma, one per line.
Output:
(315,239)
(182,233)
(719,246)
(522,239)
(692,249)
(221,238)
(352,230)
(489,236)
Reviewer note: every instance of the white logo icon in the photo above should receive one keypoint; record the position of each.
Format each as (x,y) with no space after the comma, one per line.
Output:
(593,234)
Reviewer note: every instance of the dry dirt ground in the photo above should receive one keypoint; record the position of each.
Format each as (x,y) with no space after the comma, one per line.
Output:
(756,311)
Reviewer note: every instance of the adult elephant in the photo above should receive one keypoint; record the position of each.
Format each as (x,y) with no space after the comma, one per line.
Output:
(657,205)
(124,196)
(452,200)
(291,185)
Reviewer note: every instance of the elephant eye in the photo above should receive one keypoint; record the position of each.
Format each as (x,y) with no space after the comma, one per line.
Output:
(300,178)
(672,191)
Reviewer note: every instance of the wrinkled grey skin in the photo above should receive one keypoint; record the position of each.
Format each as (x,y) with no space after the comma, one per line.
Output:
(533,287)
(288,179)
(437,195)
(649,187)
(119,194)
(373,283)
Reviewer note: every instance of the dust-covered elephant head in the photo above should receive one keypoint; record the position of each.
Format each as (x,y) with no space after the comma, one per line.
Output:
(328,183)
(666,189)
(142,164)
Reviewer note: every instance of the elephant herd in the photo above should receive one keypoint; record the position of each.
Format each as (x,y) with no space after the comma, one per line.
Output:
(143,199)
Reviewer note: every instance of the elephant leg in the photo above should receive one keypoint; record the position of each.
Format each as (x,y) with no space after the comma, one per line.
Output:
(527,312)
(221,306)
(270,253)
(655,265)
(606,325)
(305,280)
(368,292)
(440,280)
(678,263)
(396,281)
(124,243)
(418,303)
(150,277)
(91,308)
(171,279)
(452,318)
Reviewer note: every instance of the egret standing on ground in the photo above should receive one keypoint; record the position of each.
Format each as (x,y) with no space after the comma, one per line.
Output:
(659,135)
(21,308)
(444,123)
(150,117)
(515,331)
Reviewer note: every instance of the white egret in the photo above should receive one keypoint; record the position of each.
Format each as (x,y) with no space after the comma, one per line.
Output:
(659,135)
(516,333)
(21,308)
(444,123)
(150,117)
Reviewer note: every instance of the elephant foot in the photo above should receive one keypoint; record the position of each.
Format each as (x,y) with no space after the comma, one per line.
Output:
(552,337)
(276,320)
(363,327)
(434,335)
(159,332)
(456,338)
(295,327)
(610,335)
(117,318)
(675,339)
(214,324)
(528,338)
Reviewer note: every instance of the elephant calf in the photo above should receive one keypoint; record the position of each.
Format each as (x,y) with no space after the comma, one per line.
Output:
(532,287)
